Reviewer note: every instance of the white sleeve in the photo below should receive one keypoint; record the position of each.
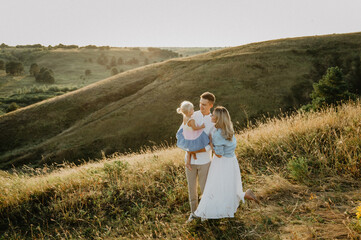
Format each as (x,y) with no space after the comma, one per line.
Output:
(198,119)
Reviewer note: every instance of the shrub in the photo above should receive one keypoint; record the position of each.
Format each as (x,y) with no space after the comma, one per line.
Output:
(14,68)
(102,59)
(299,169)
(66,46)
(113,62)
(120,61)
(34,69)
(132,61)
(45,75)
(12,107)
(114,71)
(91,47)
(88,72)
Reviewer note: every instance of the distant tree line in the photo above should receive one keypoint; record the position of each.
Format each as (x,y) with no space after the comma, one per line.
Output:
(164,53)
(113,61)
(60,45)
(30,46)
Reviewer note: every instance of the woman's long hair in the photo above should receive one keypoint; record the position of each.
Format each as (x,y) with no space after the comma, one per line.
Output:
(224,122)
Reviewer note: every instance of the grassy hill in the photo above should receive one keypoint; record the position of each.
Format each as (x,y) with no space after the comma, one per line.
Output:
(69,66)
(305,168)
(137,107)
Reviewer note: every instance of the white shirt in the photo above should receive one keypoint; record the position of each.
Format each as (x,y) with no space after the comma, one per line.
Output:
(203,157)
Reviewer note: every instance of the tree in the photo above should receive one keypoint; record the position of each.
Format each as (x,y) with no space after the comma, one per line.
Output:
(14,68)
(331,89)
(113,62)
(102,59)
(34,69)
(45,75)
(120,61)
(88,72)
(114,71)
(132,61)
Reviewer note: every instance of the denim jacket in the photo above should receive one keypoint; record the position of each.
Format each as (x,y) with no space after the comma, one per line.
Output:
(222,146)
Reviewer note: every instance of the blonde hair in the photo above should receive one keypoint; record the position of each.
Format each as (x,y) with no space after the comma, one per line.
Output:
(185,107)
(224,122)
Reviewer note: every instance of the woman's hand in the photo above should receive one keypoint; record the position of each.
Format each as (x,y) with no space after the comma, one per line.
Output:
(188,165)
(214,153)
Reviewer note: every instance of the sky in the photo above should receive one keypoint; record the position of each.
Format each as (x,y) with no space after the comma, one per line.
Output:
(172,23)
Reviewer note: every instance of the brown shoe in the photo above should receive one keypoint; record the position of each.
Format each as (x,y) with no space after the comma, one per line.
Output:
(250,196)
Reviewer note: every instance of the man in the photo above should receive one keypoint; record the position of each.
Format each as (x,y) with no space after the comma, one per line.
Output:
(200,164)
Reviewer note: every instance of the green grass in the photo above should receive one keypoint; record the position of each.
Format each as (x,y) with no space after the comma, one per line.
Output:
(69,65)
(137,108)
(144,196)
(27,96)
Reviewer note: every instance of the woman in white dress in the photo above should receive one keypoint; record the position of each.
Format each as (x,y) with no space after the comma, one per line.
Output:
(223,190)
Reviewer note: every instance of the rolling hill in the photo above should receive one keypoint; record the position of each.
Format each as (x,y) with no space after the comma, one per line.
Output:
(305,168)
(137,107)
(73,68)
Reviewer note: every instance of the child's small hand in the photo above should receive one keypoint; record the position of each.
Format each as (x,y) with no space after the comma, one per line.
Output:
(203,126)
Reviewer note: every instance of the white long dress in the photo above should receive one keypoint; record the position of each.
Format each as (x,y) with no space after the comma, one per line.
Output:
(223,190)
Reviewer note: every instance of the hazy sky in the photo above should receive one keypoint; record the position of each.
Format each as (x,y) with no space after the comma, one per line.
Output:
(170,23)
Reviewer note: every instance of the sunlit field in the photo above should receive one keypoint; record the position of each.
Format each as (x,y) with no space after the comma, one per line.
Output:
(305,168)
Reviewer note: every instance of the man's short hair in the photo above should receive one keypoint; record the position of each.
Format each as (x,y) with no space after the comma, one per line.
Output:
(209,96)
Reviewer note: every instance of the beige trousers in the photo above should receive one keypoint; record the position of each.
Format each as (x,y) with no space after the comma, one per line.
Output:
(197,170)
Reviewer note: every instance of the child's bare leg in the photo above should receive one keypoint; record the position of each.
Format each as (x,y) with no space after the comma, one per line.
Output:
(188,164)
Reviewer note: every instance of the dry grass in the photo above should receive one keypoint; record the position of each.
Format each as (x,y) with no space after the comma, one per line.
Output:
(329,138)
(144,196)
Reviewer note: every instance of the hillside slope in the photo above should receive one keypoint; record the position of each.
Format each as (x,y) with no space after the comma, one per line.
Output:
(305,168)
(137,107)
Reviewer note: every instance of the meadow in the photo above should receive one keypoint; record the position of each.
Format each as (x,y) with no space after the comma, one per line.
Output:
(136,108)
(305,168)
(69,67)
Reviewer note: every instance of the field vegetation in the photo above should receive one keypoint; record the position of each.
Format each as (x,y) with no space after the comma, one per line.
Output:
(136,108)
(66,66)
(305,168)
